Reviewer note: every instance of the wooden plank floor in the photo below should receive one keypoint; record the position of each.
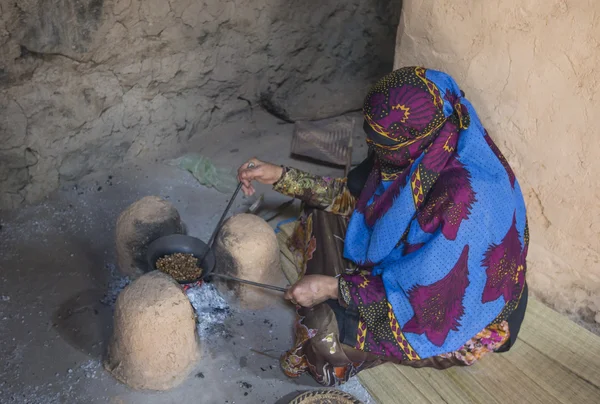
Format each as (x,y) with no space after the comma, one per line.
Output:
(554,361)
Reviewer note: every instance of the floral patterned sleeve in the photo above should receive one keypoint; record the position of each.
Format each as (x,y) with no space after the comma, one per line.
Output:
(329,194)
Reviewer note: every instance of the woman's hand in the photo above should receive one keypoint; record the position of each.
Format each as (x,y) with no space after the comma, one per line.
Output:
(256,170)
(312,290)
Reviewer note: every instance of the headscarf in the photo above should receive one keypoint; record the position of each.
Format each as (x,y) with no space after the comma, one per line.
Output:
(441,217)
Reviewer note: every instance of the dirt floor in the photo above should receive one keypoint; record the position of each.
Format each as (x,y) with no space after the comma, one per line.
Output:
(58,283)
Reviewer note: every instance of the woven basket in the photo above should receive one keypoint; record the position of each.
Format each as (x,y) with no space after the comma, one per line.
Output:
(325,397)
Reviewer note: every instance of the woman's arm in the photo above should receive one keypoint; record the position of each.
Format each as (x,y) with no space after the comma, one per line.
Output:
(330,194)
(354,292)
(256,170)
(311,290)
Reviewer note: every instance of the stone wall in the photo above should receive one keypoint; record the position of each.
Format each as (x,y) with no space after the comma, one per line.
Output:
(530,69)
(87,84)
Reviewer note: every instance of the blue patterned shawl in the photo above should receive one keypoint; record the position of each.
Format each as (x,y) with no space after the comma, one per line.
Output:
(441,218)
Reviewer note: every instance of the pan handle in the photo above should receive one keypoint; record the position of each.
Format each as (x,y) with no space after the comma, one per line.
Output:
(260,285)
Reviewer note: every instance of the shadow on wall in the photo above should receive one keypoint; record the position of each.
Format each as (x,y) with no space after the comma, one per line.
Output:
(88,84)
(60,27)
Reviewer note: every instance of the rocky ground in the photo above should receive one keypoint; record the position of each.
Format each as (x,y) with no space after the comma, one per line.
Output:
(58,283)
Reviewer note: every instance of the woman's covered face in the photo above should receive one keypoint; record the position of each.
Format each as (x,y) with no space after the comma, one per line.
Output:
(403,113)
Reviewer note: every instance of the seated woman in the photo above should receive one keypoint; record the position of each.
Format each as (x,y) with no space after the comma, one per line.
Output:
(418,257)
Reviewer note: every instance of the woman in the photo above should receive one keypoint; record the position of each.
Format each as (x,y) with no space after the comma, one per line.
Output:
(418,257)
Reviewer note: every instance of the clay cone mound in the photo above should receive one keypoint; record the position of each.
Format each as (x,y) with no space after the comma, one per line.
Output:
(140,224)
(246,247)
(154,343)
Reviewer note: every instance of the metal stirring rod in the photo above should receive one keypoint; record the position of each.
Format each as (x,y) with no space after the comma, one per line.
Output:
(214,235)
(223,216)
(260,285)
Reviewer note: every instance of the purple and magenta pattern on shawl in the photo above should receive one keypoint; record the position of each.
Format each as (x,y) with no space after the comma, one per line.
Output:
(441,220)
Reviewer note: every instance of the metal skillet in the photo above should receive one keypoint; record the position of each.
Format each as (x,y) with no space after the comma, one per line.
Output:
(180,243)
